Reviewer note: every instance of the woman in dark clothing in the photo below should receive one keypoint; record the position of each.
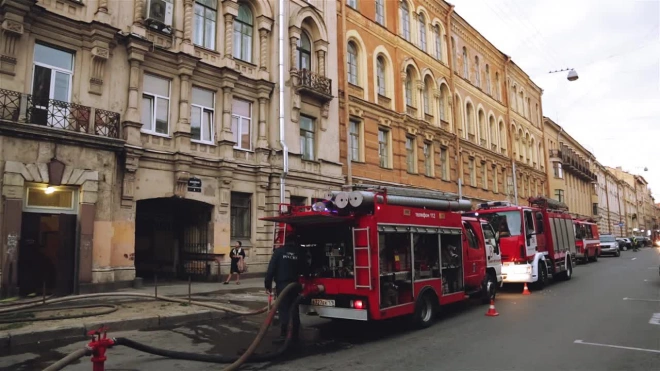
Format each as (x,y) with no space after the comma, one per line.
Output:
(237,255)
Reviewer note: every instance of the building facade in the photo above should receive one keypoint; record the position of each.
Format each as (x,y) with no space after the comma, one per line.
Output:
(571,175)
(431,104)
(137,142)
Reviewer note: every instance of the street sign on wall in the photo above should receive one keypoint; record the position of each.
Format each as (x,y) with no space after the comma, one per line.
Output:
(194,185)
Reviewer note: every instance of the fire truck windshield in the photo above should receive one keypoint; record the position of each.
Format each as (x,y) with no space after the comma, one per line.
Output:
(329,249)
(505,223)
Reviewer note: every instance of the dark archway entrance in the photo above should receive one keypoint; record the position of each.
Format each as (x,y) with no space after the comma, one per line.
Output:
(173,238)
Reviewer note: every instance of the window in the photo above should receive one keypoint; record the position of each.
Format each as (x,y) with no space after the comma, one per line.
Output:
(352,3)
(529,223)
(441,105)
(488,87)
(201,115)
(409,97)
(304,53)
(383,147)
(594,209)
(51,80)
(243,31)
(559,195)
(410,154)
(205,23)
(425,94)
(558,171)
(50,199)
(497,86)
(422,31)
(355,140)
(495,176)
(473,173)
(454,61)
(298,201)
(444,164)
(380,76)
(380,12)
(405,20)
(438,42)
(477,72)
(428,159)
(466,63)
(241,123)
(241,215)
(307,137)
(484,176)
(155,105)
(471,235)
(352,63)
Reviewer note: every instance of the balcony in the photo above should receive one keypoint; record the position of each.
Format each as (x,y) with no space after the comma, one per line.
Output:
(555,153)
(28,109)
(314,84)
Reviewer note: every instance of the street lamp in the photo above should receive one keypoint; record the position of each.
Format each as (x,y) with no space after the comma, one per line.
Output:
(572,75)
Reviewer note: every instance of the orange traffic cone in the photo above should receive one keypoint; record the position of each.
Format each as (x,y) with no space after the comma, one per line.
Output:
(526,290)
(492,312)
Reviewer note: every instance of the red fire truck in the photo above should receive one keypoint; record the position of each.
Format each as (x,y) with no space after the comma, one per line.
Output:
(537,241)
(587,240)
(384,252)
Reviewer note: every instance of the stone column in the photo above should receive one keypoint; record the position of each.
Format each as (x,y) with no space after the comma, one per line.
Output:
(183,124)
(229,35)
(137,11)
(263,49)
(187,21)
(132,120)
(10,32)
(227,98)
(262,141)
(420,97)
(321,61)
(293,42)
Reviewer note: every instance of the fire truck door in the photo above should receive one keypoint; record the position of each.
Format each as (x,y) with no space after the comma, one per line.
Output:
(475,262)
(530,233)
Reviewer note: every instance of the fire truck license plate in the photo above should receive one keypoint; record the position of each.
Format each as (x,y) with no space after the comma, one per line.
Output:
(323,302)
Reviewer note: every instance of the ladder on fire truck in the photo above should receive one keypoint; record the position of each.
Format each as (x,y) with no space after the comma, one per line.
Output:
(279,227)
(358,251)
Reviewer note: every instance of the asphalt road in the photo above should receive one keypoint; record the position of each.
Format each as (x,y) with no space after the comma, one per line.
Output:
(603,319)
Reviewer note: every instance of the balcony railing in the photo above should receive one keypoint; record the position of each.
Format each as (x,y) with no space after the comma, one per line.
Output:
(315,84)
(30,109)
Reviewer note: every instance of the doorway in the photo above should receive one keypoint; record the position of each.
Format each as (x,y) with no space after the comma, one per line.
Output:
(47,254)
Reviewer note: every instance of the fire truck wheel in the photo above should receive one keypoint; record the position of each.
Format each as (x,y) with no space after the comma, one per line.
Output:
(586,258)
(424,311)
(543,276)
(568,273)
(489,289)
(595,257)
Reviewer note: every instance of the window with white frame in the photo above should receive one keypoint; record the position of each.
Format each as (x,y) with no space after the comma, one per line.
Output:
(409,89)
(241,123)
(380,76)
(454,58)
(438,42)
(404,14)
(484,175)
(201,115)
(488,87)
(380,12)
(477,71)
(243,33)
(422,31)
(384,147)
(355,140)
(426,96)
(497,86)
(495,183)
(428,159)
(304,52)
(155,105)
(352,3)
(473,173)
(466,64)
(204,23)
(444,163)
(441,105)
(307,137)
(410,154)
(352,63)
(51,80)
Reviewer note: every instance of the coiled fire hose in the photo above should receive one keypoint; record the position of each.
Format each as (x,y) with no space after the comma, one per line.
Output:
(236,361)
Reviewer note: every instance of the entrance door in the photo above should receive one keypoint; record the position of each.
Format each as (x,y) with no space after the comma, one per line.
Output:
(47,254)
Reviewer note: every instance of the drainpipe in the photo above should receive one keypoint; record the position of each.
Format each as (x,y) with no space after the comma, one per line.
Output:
(459,155)
(508,129)
(285,148)
(344,48)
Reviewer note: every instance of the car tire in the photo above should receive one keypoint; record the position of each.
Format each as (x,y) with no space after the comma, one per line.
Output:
(618,253)
(424,311)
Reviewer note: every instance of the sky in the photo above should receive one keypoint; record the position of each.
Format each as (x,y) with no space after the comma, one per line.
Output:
(613,109)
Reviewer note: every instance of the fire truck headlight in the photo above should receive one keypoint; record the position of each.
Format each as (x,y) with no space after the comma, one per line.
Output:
(319,206)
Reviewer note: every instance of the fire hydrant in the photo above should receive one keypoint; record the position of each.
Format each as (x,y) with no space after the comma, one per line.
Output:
(99,345)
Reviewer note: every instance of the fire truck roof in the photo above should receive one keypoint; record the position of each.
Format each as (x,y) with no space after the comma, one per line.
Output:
(308,218)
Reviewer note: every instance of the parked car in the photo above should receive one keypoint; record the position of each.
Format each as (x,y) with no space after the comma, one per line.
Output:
(624,243)
(609,245)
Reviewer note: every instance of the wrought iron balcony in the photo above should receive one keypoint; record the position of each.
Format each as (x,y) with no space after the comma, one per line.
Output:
(30,109)
(314,84)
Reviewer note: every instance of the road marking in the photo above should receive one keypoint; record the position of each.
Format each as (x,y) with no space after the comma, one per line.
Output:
(633,299)
(655,320)
(616,346)
(634,259)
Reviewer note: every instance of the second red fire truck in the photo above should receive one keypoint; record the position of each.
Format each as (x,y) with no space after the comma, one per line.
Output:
(587,240)
(384,252)
(537,241)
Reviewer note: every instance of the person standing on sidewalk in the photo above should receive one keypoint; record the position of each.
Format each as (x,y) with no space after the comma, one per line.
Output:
(237,256)
(286,265)
(635,244)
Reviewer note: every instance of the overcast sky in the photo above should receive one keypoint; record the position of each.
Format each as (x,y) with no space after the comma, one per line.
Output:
(613,109)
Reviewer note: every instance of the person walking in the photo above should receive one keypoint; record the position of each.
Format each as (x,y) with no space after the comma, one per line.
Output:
(286,265)
(635,244)
(237,256)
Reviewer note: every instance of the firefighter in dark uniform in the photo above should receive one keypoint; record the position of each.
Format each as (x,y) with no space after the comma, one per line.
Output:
(286,265)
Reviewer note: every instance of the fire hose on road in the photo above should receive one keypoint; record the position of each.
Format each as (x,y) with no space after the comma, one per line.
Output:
(100,343)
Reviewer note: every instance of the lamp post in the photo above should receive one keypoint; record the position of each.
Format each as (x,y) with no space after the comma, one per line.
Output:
(572,75)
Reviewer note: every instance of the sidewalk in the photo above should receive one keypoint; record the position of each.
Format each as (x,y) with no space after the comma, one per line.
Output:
(136,313)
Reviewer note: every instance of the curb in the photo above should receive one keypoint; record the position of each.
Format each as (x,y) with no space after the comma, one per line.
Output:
(13,340)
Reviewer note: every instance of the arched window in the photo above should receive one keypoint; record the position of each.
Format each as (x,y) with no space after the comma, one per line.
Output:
(352,63)
(454,62)
(243,31)
(488,87)
(466,63)
(405,20)
(380,76)
(426,94)
(477,71)
(422,31)
(438,42)
(441,105)
(304,53)
(409,90)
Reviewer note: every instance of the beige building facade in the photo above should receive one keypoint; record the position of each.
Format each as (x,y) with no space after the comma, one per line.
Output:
(137,142)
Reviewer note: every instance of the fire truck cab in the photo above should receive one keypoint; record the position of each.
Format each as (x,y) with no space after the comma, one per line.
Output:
(384,252)
(587,240)
(537,241)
